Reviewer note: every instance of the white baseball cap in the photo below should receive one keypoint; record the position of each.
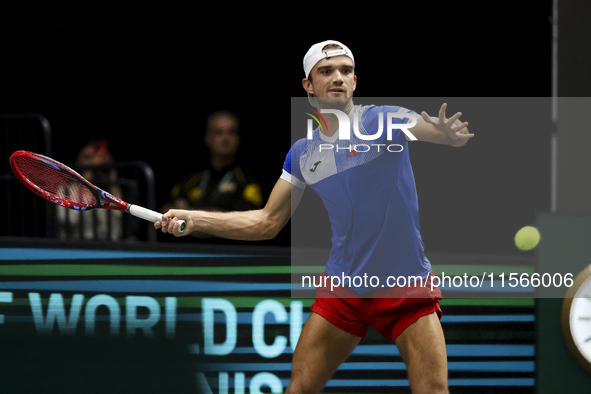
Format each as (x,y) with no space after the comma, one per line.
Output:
(315,54)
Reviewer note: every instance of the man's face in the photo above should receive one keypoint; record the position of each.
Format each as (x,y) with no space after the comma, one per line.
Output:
(222,137)
(333,81)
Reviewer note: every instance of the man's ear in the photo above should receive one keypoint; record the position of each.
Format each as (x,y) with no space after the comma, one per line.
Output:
(307,85)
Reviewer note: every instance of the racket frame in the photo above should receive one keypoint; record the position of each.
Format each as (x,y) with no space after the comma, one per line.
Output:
(105,199)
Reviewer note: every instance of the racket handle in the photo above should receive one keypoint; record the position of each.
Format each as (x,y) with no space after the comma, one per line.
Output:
(151,216)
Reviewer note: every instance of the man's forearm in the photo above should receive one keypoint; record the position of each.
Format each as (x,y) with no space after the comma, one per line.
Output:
(252,225)
(248,225)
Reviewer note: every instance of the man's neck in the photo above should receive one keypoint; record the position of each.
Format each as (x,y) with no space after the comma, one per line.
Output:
(218,163)
(332,122)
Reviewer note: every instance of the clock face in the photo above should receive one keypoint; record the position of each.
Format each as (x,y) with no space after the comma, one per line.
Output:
(580,319)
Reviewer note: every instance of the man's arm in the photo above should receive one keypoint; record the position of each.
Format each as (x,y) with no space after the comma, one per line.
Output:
(252,225)
(440,130)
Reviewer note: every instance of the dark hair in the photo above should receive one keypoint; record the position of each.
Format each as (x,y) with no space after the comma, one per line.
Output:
(221,114)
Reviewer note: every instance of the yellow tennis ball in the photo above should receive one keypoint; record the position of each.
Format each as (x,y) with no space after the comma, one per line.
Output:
(527,238)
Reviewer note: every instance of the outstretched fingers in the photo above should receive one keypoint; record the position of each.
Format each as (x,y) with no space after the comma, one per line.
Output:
(442,113)
(453,119)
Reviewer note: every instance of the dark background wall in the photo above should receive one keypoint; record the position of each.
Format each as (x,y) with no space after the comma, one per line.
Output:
(148,87)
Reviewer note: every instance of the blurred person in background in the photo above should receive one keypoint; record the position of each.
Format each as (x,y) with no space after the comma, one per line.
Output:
(97,224)
(225,185)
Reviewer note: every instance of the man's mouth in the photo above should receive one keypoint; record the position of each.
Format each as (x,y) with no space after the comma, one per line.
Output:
(337,90)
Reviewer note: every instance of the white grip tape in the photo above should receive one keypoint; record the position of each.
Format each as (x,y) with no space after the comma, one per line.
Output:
(146,214)
(149,215)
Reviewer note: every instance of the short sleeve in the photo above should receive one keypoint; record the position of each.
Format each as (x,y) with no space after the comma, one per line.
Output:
(291,169)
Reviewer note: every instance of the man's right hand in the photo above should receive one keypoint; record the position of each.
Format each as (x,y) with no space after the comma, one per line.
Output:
(170,222)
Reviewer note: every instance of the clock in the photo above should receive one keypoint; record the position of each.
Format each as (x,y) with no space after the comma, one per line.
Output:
(576,318)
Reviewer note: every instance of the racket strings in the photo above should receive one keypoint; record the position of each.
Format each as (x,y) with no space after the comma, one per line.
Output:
(58,182)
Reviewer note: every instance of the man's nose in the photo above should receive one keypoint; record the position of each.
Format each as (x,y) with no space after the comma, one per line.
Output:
(338,78)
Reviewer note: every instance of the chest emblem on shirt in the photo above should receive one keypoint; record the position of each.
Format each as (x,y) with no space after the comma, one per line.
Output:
(315,165)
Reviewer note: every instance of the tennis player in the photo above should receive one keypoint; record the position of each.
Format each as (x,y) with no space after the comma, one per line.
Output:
(372,203)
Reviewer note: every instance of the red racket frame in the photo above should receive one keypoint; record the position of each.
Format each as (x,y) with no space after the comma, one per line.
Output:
(105,200)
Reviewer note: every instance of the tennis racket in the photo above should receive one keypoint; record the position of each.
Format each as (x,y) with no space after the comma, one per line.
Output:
(63,186)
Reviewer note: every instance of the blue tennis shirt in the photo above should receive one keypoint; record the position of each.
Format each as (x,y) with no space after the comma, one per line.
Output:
(370,195)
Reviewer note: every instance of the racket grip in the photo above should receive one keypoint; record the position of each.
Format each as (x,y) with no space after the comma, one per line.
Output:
(151,216)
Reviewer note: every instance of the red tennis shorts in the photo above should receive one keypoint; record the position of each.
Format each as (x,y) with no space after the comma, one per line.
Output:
(384,309)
